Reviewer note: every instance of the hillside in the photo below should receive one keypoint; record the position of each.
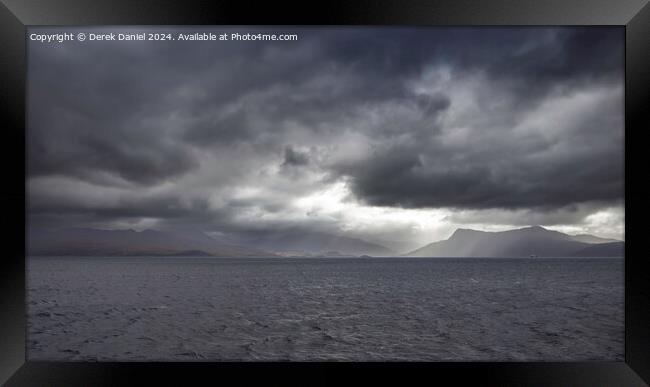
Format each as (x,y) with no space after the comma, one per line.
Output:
(93,242)
(524,242)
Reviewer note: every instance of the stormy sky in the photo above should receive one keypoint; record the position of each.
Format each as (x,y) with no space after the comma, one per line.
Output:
(393,135)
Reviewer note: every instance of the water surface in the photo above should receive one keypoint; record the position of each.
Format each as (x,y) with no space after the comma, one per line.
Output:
(362,309)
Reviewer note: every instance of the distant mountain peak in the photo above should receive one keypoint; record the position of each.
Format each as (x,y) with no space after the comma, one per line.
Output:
(521,242)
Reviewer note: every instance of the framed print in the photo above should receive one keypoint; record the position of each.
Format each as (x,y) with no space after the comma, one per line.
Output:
(385,191)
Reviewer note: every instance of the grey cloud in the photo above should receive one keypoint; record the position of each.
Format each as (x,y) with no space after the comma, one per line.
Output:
(294,157)
(572,214)
(140,115)
(124,207)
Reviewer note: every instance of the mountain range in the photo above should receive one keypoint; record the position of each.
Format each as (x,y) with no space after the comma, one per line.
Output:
(523,242)
(95,242)
(295,242)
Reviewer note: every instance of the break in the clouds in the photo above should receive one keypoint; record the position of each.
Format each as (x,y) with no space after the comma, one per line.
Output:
(389,134)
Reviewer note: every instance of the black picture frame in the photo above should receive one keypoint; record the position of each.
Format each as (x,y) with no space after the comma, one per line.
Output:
(15,15)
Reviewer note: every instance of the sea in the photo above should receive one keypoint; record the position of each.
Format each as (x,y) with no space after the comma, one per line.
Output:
(324,309)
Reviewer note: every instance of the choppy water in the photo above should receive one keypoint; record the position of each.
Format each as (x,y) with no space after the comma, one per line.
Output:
(193,309)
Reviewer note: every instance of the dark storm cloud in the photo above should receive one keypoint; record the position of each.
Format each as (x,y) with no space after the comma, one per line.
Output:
(504,174)
(124,206)
(570,55)
(419,118)
(293,157)
(404,182)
